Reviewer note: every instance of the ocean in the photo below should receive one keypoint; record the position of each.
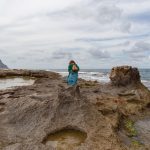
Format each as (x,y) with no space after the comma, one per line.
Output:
(102,75)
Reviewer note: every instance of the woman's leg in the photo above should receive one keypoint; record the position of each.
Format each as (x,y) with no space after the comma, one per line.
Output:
(72,78)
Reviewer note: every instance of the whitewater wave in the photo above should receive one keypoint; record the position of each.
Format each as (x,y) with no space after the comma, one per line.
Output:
(93,76)
(99,76)
(146,83)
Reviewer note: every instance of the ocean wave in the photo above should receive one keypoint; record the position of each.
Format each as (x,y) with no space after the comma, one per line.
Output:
(146,83)
(100,77)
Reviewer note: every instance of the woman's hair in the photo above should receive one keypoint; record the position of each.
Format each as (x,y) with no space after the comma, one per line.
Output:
(72,62)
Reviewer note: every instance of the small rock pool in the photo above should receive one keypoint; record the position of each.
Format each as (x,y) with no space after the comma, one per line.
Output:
(66,139)
(7,83)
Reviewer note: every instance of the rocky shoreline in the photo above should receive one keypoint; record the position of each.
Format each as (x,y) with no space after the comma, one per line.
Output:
(30,114)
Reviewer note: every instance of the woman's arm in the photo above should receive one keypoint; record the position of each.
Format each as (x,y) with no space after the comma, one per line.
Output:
(69,68)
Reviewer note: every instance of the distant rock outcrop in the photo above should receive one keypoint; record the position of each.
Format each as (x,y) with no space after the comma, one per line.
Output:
(124,75)
(3,66)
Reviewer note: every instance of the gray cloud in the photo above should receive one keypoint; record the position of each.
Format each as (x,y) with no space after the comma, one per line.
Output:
(139,50)
(67,53)
(61,55)
(142,46)
(3,52)
(125,27)
(142,17)
(114,38)
(96,11)
(42,33)
(98,54)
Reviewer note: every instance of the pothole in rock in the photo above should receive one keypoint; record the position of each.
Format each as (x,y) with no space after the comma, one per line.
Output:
(66,139)
(7,83)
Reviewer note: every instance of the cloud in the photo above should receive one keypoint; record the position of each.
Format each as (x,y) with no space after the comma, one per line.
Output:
(114,38)
(141,17)
(125,27)
(99,12)
(98,54)
(61,55)
(3,52)
(140,50)
(36,33)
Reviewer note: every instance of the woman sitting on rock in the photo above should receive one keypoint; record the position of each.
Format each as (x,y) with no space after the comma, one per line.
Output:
(73,69)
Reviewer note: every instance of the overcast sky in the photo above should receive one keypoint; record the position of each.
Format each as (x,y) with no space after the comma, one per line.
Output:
(44,34)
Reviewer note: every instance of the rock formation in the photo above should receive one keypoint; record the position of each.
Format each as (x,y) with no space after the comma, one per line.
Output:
(30,115)
(3,65)
(124,75)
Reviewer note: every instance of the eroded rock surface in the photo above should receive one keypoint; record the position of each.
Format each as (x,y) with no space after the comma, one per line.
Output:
(124,75)
(143,127)
(28,115)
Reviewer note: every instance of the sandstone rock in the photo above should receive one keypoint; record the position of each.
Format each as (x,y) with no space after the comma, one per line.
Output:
(28,73)
(124,75)
(28,115)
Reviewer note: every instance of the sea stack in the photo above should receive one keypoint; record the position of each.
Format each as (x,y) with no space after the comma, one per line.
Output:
(124,75)
(2,65)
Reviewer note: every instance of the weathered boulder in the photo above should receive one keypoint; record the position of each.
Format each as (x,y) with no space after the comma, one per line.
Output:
(124,75)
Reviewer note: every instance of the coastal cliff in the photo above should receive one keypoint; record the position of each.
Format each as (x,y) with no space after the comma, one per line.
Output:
(2,65)
(31,116)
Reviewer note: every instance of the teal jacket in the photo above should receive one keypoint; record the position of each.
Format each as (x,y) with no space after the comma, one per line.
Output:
(70,68)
